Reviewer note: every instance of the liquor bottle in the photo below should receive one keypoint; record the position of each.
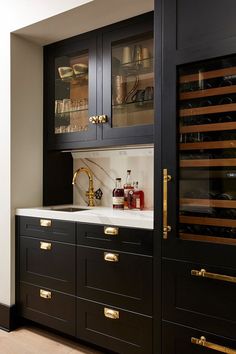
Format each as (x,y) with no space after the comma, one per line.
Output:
(136,198)
(118,195)
(127,187)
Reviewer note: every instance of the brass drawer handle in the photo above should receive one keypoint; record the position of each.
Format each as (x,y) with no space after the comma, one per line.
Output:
(45,246)
(111,230)
(112,314)
(111,257)
(204,274)
(166,227)
(45,294)
(102,119)
(45,222)
(219,348)
(94,119)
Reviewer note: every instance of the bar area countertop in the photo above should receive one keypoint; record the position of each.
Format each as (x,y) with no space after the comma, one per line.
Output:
(96,215)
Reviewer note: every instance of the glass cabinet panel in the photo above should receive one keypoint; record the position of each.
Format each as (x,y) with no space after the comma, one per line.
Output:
(71,94)
(132,81)
(207,151)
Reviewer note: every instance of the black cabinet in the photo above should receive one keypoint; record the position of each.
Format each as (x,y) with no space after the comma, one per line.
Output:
(99,87)
(91,281)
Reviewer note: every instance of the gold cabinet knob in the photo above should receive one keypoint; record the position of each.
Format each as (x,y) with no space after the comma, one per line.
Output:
(94,119)
(112,314)
(102,119)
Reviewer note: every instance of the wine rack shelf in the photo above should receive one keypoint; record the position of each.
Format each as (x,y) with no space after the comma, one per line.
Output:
(208,92)
(207,75)
(208,163)
(217,203)
(208,127)
(207,110)
(205,238)
(227,144)
(199,220)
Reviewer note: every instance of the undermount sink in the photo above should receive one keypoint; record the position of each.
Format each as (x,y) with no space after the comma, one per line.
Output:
(69,209)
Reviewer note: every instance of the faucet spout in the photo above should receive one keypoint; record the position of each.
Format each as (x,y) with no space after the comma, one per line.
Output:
(90,192)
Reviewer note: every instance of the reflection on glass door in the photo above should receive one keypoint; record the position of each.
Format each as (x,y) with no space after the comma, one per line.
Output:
(71,94)
(207,151)
(132,82)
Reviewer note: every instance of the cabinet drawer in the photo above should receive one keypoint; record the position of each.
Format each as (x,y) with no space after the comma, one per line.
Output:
(121,331)
(57,312)
(41,263)
(180,340)
(199,301)
(49,229)
(121,279)
(117,238)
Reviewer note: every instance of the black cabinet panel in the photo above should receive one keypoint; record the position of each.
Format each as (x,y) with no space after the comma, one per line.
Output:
(178,340)
(124,282)
(57,312)
(200,301)
(128,239)
(42,263)
(57,230)
(129,334)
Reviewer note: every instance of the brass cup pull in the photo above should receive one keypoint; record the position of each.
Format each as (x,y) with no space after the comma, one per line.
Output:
(94,119)
(219,348)
(45,246)
(102,119)
(45,222)
(110,230)
(45,294)
(112,314)
(166,227)
(111,257)
(204,274)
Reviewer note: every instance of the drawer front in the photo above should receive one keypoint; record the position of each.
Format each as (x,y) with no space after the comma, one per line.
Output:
(121,279)
(114,329)
(41,263)
(57,312)
(117,238)
(50,229)
(184,340)
(203,302)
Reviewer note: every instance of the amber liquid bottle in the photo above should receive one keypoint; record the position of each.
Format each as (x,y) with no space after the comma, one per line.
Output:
(118,195)
(127,187)
(136,198)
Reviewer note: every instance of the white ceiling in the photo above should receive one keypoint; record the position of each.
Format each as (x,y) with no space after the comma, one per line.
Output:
(84,18)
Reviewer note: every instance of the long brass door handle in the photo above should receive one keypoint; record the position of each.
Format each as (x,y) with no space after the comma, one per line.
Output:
(166,227)
(219,348)
(204,274)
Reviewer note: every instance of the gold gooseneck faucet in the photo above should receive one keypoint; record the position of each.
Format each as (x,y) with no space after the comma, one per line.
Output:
(90,192)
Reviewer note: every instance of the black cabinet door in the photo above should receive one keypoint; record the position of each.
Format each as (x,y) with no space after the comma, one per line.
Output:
(203,185)
(178,339)
(70,89)
(128,82)
(41,263)
(200,295)
(118,278)
(113,328)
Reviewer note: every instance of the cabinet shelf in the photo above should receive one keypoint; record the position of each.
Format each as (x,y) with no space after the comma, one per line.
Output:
(227,144)
(217,203)
(208,163)
(205,238)
(231,107)
(133,106)
(68,112)
(140,67)
(208,127)
(198,220)
(208,75)
(208,92)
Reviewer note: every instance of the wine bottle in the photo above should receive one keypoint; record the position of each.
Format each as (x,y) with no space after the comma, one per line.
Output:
(118,195)
(127,187)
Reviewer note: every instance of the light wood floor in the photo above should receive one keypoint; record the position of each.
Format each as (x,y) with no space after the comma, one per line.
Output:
(31,340)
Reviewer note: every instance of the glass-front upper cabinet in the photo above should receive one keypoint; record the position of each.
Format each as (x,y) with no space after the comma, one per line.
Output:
(207,151)
(72,97)
(128,77)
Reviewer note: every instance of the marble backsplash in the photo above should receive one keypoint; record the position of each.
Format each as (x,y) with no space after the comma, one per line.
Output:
(107,165)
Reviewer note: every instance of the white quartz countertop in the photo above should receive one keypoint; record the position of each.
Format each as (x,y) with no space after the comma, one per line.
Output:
(96,215)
